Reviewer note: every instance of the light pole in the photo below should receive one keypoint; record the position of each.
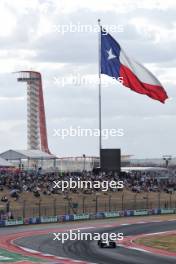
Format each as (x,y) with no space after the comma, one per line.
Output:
(84,167)
(167,158)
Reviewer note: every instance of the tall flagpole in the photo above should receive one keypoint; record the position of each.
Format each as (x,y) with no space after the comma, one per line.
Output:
(99,65)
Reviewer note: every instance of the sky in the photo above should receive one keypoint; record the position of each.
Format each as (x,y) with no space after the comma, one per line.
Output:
(46,36)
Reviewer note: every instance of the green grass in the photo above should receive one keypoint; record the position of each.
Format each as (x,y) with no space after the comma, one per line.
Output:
(10,257)
(164,242)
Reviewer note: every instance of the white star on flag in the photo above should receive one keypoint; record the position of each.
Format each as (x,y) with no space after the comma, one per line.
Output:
(110,54)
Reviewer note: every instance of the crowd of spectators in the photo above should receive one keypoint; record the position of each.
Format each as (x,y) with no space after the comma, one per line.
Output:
(16,182)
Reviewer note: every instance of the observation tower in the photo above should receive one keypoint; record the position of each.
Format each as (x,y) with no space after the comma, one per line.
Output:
(36,121)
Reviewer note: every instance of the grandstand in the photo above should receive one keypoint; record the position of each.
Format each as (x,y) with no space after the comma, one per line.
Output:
(29,159)
(5,164)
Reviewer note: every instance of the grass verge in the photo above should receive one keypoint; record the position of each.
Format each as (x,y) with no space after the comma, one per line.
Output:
(164,242)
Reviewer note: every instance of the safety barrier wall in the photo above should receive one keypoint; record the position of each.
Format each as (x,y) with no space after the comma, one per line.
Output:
(90,216)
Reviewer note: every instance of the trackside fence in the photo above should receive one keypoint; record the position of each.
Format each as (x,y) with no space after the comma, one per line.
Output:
(86,216)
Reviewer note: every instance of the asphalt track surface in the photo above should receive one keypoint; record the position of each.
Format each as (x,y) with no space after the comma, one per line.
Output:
(90,252)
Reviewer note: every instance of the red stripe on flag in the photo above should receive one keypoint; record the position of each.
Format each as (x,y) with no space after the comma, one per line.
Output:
(131,81)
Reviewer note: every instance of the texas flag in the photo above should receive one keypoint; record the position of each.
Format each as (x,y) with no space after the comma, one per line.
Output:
(115,63)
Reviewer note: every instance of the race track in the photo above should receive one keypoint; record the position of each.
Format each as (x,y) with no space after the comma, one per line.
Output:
(89,251)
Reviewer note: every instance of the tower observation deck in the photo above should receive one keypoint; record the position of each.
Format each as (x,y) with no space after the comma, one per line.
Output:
(36,121)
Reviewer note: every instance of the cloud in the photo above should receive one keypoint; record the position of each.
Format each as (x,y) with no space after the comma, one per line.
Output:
(30,42)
